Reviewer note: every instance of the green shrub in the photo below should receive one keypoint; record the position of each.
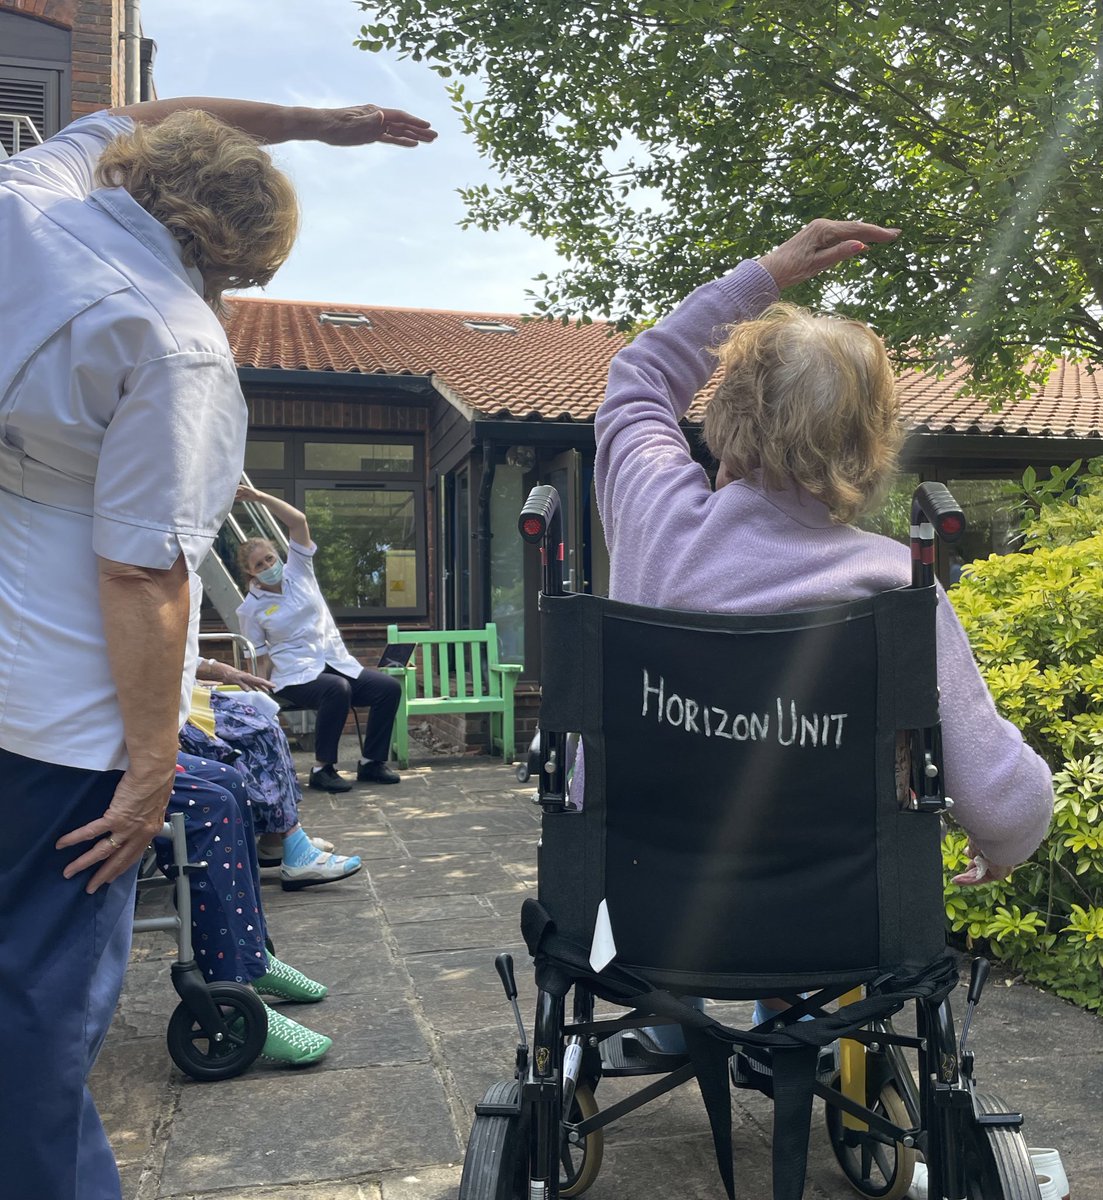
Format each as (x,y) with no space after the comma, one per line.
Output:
(1035,621)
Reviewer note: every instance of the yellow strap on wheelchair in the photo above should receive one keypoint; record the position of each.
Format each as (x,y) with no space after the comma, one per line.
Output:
(852,1067)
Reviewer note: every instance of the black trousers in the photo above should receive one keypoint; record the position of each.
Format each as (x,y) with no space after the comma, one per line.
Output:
(333,694)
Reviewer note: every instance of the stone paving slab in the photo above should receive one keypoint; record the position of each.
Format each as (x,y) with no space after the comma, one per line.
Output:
(345,1123)
(421,1028)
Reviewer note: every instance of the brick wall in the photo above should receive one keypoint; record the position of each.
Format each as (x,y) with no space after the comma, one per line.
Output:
(97,55)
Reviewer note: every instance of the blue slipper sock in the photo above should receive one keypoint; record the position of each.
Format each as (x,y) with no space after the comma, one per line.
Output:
(299,850)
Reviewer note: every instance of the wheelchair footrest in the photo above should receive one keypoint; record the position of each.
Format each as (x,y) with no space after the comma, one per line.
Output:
(621,1056)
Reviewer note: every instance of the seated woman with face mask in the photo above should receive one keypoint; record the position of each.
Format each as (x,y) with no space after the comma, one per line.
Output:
(286,617)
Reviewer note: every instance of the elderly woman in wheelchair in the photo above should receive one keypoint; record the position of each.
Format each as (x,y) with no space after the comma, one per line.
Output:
(775,711)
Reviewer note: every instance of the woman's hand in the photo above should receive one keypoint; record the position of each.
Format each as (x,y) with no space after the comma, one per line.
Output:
(363,123)
(982,871)
(250,493)
(247,682)
(119,838)
(818,246)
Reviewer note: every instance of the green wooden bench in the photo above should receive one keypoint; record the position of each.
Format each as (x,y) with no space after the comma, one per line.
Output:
(454,671)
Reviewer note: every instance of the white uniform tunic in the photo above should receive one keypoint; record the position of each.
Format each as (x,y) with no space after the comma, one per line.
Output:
(122,433)
(294,627)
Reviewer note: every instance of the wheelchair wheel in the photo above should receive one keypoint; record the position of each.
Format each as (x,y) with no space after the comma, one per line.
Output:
(997,1162)
(579,1165)
(196,1055)
(872,1168)
(495,1166)
(522,773)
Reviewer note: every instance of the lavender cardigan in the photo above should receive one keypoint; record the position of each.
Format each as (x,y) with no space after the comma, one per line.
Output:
(747,550)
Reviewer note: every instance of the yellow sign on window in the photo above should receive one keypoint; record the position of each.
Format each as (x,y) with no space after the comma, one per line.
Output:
(401,578)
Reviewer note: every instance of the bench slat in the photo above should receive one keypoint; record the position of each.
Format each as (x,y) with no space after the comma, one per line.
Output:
(461,668)
(463,676)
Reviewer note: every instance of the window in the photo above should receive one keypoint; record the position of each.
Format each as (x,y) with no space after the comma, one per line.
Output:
(344,318)
(507,563)
(34,79)
(992,515)
(365,501)
(490,326)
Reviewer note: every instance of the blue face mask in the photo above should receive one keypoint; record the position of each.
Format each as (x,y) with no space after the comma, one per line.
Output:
(272,575)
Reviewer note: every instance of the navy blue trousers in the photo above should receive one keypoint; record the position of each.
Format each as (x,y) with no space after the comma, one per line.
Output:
(63,956)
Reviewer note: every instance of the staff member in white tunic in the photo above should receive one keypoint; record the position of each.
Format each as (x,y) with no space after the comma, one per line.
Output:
(286,617)
(122,430)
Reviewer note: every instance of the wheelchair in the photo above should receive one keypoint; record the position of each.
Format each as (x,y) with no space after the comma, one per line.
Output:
(218,1029)
(802,860)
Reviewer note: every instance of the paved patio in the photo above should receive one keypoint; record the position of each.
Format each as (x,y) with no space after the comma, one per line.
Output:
(421,1027)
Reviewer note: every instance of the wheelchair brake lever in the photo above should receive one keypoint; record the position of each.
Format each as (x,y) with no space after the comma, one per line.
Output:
(503,964)
(978,976)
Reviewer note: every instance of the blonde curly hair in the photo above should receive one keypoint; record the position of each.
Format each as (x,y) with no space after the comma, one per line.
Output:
(245,553)
(810,400)
(217,192)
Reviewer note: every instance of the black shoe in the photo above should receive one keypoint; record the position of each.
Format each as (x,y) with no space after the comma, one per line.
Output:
(327,780)
(376,772)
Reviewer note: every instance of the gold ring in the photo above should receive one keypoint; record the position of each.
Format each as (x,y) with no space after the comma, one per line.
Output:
(111,839)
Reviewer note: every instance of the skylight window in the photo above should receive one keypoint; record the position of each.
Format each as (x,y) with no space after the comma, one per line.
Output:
(344,318)
(490,327)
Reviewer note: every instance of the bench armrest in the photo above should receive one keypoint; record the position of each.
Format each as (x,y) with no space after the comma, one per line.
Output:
(511,668)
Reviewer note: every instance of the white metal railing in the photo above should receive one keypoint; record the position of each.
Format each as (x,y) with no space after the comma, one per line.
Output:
(20,121)
(218,580)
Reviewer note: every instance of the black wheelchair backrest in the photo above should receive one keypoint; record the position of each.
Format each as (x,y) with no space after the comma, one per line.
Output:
(741,825)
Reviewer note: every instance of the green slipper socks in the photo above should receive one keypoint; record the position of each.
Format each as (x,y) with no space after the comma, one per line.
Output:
(285,983)
(289,1042)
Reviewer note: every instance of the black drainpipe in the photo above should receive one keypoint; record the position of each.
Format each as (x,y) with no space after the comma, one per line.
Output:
(483,533)
(147,54)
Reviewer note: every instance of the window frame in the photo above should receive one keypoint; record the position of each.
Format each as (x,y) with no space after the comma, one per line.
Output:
(295,481)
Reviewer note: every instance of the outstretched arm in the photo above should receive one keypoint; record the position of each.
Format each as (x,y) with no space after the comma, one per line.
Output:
(297,529)
(356,125)
(641,450)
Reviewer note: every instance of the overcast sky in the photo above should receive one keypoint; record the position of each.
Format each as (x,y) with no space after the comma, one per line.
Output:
(379,222)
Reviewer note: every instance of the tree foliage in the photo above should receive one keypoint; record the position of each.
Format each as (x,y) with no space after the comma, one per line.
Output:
(656,142)
(1034,622)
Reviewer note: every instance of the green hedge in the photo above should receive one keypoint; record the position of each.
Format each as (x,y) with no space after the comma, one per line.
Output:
(1035,621)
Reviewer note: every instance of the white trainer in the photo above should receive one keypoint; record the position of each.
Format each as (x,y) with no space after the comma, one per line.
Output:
(326,868)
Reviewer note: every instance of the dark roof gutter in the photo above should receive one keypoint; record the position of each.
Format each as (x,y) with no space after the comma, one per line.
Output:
(568,434)
(416,385)
(992,449)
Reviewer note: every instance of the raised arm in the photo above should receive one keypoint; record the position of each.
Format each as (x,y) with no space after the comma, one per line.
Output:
(356,125)
(297,529)
(640,448)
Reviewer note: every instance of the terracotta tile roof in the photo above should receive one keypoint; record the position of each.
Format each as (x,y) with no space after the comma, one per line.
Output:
(1070,405)
(546,370)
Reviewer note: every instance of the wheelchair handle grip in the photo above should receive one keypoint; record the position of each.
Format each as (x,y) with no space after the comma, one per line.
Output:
(933,503)
(540,516)
(503,964)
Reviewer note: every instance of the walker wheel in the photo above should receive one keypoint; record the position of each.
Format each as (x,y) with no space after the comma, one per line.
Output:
(205,1060)
(523,773)
(874,1169)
